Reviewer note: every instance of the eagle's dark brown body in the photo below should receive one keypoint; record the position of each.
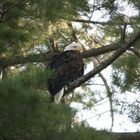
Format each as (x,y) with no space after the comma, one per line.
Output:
(67,67)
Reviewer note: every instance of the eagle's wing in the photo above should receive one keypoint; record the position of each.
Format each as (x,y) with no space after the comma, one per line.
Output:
(67,66)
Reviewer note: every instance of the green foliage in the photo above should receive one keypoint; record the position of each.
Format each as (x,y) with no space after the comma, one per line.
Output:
(26,113)
(25,26)
(110,6)
(33,78)
(126,76)
(23,21)
(83,133)
(53,10)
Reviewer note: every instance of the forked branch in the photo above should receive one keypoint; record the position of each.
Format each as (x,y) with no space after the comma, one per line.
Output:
(103,64)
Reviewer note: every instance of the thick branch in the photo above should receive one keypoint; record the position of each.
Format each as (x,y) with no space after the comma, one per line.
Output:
(88,21)
(5,62)
(100,23)
(103,64)
(43,57)
(98,51)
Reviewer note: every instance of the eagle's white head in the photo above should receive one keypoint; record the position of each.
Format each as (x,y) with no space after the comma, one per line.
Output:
(74,46)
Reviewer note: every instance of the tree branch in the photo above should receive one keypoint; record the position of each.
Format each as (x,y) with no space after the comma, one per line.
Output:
(14,5)
(135,52)
(103,64)
(44,57)
(109,95)
(108,90)
(123,34)
(98,51)
(6,10)
(101,23)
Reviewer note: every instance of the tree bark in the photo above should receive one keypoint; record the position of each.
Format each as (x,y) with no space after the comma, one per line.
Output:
(44,57)
(101,23)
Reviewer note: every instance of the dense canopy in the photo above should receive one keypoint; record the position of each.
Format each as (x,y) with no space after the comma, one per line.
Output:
(33,31)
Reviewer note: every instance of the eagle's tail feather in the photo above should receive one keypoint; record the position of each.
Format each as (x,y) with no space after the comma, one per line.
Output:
(58,96)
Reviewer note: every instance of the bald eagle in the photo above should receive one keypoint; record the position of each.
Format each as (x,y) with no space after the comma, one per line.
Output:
(67,67)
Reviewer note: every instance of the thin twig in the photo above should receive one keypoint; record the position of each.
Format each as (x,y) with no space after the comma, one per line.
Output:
(96,115)
(109,92)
